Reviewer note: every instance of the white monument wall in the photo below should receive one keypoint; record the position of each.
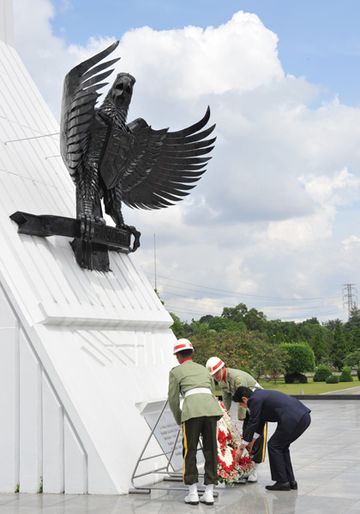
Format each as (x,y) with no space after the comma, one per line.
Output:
(79,350)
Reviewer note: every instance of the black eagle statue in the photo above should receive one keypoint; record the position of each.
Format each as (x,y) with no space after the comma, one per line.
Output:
(115,161)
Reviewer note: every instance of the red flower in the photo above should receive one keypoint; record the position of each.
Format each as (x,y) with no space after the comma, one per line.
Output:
(222,438)
(229,469)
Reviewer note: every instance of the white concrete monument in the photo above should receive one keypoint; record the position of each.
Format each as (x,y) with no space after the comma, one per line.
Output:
(79,350)
(6,22)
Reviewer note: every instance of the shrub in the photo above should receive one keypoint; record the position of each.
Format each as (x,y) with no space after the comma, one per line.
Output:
(358,373)
(346,375)
(321,373)
(295,378)
(301,357)
(332,379)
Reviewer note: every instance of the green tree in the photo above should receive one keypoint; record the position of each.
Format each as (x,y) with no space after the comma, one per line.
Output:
(338,345)
(352,330)
(269,360)
(179,328)
(237,326)
(206,319)
(219,323)
(353,359)
(236,313)
(318,338)
(245,349)
(237,349)
(255,320)
(196,327)
(275,331)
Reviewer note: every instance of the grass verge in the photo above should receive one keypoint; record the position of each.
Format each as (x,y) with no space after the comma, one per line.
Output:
(309,388)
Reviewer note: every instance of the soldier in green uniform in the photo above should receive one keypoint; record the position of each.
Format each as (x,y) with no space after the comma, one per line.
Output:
(198,416)
(229,380)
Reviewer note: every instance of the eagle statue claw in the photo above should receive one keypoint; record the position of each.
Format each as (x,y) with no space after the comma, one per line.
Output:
(117,162)
(128,228)
(87,227)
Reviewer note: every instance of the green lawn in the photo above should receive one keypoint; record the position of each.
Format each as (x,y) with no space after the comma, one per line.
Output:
(309,388)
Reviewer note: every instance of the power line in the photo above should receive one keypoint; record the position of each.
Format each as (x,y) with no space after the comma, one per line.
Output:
(195,311)
(167,292)
(168,295)
(279,307)
(204,303)
(174,291)
(238,293)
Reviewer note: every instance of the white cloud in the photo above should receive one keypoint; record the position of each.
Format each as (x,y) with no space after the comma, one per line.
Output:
(351,242)
(269,217)
(47,56)
(340,189)
(328,192)
(199,59)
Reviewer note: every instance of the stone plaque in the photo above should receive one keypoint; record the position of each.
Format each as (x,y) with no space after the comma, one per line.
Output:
(167,433)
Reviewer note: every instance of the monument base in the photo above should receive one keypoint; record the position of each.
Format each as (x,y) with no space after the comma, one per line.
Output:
(74,380)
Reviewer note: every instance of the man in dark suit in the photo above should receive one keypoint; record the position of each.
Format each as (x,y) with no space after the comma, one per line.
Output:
(292,417)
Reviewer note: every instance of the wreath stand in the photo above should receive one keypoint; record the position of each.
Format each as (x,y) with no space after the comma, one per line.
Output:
(171,449)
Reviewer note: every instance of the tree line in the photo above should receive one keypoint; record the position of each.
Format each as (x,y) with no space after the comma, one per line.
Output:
(244,338)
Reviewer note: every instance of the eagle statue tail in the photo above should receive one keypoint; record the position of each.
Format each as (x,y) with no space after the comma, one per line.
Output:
(92,256)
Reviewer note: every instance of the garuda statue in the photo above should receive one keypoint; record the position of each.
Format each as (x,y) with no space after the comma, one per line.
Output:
(115,161)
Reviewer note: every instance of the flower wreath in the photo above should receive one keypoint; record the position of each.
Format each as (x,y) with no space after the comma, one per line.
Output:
(230,468)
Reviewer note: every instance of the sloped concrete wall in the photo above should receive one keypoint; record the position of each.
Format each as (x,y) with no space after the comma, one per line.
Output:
(79,349)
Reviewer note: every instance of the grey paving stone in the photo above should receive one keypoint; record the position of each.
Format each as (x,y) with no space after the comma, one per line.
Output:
(326,461)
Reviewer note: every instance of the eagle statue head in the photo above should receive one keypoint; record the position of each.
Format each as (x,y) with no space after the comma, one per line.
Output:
(122,89)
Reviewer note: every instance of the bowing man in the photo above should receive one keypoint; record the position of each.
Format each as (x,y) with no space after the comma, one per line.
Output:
(292,417)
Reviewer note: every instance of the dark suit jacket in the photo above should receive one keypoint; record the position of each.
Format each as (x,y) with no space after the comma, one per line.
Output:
(266,405)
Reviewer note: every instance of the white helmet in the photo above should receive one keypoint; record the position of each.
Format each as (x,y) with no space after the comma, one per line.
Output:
(214,364)
(181,345)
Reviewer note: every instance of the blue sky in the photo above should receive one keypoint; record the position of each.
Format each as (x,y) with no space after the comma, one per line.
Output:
(318,39)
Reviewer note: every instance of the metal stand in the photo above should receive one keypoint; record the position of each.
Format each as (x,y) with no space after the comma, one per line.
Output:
(170,474)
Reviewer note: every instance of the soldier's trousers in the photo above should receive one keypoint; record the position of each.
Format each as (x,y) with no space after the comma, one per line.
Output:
(259,448)
(191,431)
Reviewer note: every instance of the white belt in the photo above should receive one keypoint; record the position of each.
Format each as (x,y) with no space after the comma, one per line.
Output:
(197,390)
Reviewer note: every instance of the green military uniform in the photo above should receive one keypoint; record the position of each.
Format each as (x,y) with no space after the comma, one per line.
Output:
(234,379)
(198,416)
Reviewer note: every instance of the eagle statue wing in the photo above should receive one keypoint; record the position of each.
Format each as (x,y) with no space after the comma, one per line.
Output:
(163,166)
(80,93)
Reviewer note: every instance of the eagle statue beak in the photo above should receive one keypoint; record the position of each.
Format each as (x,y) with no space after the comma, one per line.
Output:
(123,87)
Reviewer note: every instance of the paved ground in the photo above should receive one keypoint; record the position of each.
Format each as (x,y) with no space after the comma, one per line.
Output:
(351,390)
(326,461)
